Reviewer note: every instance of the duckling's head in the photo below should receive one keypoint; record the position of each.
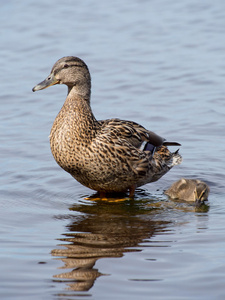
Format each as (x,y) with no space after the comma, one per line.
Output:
(201,193)
(69,70)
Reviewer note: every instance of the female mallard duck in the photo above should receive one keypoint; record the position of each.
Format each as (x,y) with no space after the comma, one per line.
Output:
(107,156)
(193,190)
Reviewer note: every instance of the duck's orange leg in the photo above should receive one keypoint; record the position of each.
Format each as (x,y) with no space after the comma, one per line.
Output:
(102,195)
(132,191)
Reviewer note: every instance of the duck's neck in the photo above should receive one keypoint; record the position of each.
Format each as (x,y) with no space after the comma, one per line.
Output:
(78,101)
(82,90)
(77,112)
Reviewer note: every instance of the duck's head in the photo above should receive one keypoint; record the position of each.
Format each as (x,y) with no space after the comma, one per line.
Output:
(69,70)
(201,193)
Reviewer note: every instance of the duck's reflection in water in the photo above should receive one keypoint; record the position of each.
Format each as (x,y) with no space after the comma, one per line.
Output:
(102,229)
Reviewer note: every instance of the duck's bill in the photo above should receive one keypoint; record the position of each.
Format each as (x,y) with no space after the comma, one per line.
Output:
(199,202)
(49,81)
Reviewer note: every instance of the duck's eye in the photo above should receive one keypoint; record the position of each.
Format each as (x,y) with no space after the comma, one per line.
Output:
(65,66)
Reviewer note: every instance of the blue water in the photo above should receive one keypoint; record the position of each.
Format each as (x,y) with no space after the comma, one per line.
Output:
(159,63)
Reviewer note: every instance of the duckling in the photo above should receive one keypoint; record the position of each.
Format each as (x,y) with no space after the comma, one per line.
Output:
(192,190)
(107,156)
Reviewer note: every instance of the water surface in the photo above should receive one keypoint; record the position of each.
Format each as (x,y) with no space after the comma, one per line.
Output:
(159,63)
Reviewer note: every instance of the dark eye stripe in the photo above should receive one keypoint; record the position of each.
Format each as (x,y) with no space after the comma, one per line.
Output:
(56,71)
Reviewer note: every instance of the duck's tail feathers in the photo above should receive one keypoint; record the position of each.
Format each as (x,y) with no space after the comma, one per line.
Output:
(171,144)
(176,159)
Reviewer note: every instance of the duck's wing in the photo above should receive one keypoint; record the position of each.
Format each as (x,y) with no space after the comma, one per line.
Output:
(120,141)
(133,146)
(134,134)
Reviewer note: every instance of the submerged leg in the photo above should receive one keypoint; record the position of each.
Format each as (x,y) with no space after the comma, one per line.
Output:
(97,196)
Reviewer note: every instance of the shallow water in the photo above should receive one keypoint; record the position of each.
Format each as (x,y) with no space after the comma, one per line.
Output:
(159,63)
